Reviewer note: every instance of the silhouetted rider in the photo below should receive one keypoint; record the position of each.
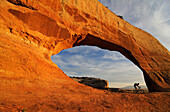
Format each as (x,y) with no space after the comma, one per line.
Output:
(136,85)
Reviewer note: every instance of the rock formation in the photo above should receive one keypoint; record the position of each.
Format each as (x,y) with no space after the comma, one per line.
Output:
(57,25)
(93,82)
(31,31)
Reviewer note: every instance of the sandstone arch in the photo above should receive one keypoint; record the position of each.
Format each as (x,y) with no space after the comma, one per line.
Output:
(95,41)
(37,33)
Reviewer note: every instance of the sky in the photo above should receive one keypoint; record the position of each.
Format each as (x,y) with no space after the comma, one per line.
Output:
(152,16)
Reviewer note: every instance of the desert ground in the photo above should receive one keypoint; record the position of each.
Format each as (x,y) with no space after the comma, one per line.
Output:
(81,98)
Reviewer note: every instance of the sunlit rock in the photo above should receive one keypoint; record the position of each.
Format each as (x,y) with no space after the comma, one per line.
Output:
(31,31)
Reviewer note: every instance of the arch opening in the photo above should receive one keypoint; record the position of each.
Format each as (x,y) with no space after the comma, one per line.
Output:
(126,50)
(90,61)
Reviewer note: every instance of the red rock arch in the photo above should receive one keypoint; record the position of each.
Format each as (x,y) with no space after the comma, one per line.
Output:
(57,25)
(155,81)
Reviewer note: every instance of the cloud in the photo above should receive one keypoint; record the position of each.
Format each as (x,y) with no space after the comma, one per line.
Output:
(113,56)
(99,63)
(152,16)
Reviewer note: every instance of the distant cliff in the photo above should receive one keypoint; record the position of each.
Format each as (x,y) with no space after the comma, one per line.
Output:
(93,82)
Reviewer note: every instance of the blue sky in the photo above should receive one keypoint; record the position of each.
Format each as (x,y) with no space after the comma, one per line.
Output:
(152,16)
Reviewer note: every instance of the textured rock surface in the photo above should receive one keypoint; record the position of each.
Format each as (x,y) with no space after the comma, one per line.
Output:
(93,82)
(33,30)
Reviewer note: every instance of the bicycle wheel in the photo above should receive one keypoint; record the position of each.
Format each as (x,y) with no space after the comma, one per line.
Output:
(141,91)
(135,91)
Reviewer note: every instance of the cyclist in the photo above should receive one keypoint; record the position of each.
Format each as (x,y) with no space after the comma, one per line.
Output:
(136,85)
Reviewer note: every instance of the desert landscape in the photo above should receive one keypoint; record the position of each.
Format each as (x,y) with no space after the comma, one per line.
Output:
(31,31)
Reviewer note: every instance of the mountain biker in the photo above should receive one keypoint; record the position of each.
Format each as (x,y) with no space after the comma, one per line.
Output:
(136,85)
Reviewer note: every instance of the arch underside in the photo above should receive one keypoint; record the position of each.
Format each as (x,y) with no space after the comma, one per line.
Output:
(151,82)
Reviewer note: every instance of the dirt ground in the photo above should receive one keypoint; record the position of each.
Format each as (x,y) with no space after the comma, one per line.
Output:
(80,98)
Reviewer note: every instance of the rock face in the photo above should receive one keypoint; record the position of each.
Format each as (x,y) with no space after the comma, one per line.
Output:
(31,31)
(57,25)
(93,82)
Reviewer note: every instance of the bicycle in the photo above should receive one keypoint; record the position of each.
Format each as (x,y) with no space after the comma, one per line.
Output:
(141,91)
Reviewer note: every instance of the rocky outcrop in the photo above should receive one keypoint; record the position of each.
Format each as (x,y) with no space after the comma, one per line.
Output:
(57,25)
(32,31)
(93,82)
